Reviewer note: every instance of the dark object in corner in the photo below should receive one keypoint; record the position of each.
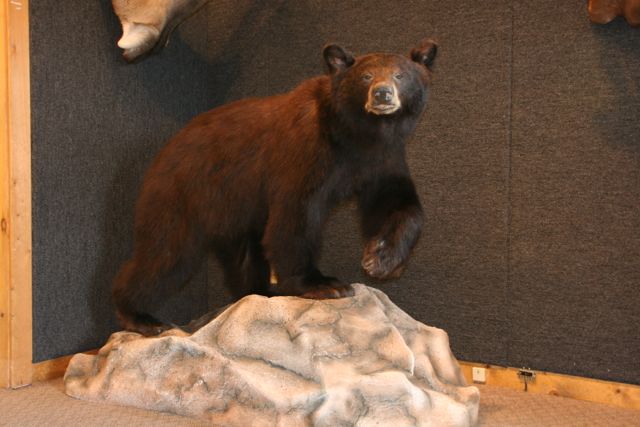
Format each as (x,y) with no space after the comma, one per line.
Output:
(605,11)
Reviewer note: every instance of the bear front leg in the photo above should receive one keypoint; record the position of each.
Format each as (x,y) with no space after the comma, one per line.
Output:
(392,222)
(292,241)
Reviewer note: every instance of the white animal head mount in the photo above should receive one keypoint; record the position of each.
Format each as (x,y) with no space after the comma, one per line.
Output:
(147,24)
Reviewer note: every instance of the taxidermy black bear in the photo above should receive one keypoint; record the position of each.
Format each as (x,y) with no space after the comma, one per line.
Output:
(254,180)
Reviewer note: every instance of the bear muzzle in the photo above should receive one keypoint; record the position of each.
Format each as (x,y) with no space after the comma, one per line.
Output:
(383,99)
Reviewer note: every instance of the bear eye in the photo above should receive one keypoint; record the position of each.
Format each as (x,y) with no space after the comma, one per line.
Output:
(398,76)
(367,77)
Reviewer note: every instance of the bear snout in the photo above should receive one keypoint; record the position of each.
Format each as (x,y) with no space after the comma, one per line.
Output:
(383,94)
(383,99)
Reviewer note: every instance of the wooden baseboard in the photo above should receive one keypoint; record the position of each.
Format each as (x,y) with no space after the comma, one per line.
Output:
(611,393)
(54,368)
(50,369)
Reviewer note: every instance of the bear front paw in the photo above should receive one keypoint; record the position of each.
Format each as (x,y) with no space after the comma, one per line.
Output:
(381,260)
(331,291)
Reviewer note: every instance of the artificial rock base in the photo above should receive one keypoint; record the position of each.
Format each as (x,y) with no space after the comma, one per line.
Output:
(288,361)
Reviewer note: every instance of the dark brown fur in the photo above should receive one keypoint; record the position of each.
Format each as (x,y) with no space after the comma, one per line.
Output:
(254,181)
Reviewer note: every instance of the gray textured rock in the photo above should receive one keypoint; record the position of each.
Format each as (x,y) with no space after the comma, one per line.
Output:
(288,361)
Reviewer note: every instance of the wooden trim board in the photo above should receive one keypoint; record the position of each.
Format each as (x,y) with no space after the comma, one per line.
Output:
(50,369)
(15,196)
(54,368)
(4,200)
(611,393)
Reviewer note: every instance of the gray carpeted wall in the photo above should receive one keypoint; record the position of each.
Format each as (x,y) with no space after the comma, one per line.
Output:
(527,162)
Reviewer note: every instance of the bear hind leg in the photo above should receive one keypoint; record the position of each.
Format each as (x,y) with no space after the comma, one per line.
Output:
(130,295)
(144,279)
(246,269)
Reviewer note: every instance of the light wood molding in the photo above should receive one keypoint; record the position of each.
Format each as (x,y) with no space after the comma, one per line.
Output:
(15,196)
(580,388)
(50,369)
(4,201)
(54,368)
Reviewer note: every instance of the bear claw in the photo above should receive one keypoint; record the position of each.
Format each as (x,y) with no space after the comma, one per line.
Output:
(329,292)
(381,261)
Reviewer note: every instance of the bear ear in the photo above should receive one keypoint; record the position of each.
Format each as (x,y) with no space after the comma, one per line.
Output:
(337,58)
(425,53)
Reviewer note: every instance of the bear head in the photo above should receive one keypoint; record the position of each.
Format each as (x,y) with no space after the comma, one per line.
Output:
(381,84)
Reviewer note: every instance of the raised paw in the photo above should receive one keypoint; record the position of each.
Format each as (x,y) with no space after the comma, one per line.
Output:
(381,260)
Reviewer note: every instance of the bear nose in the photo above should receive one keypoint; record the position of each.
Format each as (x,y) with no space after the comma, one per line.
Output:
(383,94)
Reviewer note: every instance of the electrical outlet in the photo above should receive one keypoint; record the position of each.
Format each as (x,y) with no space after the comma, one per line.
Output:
(479,375)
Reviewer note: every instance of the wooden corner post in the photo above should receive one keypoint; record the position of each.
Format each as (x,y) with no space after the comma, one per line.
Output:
(15,196)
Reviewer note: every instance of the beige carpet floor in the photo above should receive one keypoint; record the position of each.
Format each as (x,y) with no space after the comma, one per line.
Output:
(46,405)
